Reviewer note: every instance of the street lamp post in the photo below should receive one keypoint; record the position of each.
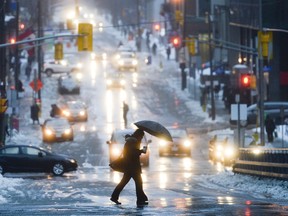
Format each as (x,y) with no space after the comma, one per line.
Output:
(211,66)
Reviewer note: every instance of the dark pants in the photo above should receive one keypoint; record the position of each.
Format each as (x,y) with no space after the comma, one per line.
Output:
(125,119)
(141,196)
(270,136)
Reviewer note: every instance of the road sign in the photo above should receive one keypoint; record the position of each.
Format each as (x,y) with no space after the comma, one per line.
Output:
(38,85)
(242,109)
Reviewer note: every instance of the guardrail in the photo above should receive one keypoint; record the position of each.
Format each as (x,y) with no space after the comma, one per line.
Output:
(266,162)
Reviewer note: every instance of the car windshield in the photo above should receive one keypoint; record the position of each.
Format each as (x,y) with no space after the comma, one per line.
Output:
(75,105)
(57,122)
(178,133)
(119,136)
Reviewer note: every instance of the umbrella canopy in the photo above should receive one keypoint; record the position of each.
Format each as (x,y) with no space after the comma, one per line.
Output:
(155,129)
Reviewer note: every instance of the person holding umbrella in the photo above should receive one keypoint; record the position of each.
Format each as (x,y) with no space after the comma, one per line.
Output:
(131,154)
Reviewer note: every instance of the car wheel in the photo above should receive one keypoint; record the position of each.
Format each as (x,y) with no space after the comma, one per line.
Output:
(58,169)
(49,72)
(2,171)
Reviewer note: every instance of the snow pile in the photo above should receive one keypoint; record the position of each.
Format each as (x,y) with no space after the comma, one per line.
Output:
(8,185)
(254,186)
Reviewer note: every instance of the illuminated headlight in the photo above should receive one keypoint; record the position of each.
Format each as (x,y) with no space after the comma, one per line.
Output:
(82,113)
(229,152)
(79,65)
(134,62)
(219,148)
(100,24)
(67,131)
(79,76)
(256,151)
(93,56)
(116,151)
(104,56)
(187,143)
(63,62)
(122,82)
(72,161)
(48,132)
(66,113)
(163,143)
(109,82)
(121,62)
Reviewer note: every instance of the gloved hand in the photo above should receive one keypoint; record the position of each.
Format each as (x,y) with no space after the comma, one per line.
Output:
(144,149)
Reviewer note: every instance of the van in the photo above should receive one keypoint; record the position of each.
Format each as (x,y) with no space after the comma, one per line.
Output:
(278,111)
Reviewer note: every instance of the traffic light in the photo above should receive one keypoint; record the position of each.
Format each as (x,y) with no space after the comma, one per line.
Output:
(245,80)
(3,105)
(58,51)
(176,41)
(12,40)
(191,46)
(85,41)
(156,27)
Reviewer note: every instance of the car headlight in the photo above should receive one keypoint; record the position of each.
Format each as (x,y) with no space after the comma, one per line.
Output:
(66,113)
(79,76)
(163,143)
(122,82)
(229,152)
(67,131)
(134,62)
(116,151)
(72,161)
(48,132)
(219,148)
(79,65)
(187,143)
(82,113)
(121,62)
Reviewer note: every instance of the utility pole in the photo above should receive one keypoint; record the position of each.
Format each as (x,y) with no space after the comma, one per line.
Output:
(17,68)
(211,68)
(39,48)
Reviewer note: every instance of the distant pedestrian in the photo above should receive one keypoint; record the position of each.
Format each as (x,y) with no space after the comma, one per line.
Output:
(168,52)
(35,113)
(182,67)
(154,48)
(270,127)
(28,71)
(131,155)
(125,111)
(55,111)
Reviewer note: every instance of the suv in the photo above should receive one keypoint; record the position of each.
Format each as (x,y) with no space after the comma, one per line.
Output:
(127,60)
(53,66)
(273,109)
(116,145)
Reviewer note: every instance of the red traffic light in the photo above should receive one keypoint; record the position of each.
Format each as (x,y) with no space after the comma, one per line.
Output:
(245,80)
(157,27)
(176,41)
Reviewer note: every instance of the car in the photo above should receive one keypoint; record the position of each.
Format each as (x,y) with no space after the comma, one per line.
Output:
(28,158)
(115,80)
(127,60)
(74,110)
(117,141)
(273,109)
(57,129)
(181,144)
(223,149)
(52,66)
(67,84)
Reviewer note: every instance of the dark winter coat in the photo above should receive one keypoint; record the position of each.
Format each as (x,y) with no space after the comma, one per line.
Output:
(269,125)
(132,153)
(35,112)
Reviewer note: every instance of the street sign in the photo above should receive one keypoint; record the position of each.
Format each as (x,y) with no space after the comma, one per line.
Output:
(243,112)
(38,85)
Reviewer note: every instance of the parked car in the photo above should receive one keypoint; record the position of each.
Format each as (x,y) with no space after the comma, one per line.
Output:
(52,66)
(27,158)
(117,141)
(57,129)
(115,80)
(222,148)
(181,144)
(67,84)
(127,60)
(273,109)
(75,110)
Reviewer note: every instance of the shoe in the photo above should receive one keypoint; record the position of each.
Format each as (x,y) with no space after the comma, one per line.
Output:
(142,203)
(115,201)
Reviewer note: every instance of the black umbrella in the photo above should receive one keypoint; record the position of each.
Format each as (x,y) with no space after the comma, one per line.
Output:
(155,129)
